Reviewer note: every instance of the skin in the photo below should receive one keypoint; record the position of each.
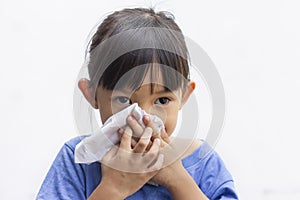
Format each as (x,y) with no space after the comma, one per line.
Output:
(116,184)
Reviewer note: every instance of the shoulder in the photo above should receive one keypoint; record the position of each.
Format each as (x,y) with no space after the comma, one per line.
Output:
(209,171)
(65,179)
(65,156)
(74,141)
(64,160)
(203,156)
(194,145)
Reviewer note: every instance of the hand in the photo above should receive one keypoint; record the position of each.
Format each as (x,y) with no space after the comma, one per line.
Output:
(181,186)
(165,175)
(138,131)
(128,168)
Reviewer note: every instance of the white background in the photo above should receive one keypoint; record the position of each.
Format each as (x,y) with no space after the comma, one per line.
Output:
(255,46)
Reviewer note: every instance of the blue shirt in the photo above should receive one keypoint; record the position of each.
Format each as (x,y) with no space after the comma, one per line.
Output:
(67,180)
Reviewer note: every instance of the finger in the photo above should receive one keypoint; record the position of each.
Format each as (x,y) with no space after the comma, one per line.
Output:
(165,137)
(155,146)
(149,146)
(158,164)
(148,122)
(120,133)
(157,134)
(110,154)
(133,143)
(125,143)
(144,140)
(135,126)
(162,141)
(152,154)
(133,140)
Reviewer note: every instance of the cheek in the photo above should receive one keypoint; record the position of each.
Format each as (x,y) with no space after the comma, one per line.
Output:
(105,113)
(171,122)
(158,111)
(107,110)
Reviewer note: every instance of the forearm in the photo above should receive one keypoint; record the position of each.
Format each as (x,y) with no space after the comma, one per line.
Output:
(103,192)
(184,187)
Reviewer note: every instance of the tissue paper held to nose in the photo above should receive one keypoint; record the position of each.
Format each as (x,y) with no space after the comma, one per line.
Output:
(94,147)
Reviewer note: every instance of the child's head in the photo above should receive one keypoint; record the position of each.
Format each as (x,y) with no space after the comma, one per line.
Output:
(155,78)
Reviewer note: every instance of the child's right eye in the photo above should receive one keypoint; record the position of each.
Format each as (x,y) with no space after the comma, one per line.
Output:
(123,100)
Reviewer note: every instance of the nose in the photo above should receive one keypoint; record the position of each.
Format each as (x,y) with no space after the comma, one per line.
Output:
(145,106)
(153,110)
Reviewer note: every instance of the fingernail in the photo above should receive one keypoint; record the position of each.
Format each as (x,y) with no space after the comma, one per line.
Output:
(130,117)
(147,117)
(121,131)
(157,141)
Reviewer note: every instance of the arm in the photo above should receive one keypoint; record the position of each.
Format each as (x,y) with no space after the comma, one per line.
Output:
(181,186)
(213,180)
(174,177)
(184,187)
(104,191)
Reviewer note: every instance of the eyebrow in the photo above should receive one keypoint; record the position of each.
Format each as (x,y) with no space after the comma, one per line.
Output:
(165,90)
(153,91)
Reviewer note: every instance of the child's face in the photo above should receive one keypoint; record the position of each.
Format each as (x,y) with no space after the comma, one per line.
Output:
(159,102)
(153,98)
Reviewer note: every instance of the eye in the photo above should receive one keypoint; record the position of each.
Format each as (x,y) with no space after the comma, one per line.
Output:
(123,100)
(162,101)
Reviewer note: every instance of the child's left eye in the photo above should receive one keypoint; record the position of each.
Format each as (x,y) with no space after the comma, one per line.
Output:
(162,101)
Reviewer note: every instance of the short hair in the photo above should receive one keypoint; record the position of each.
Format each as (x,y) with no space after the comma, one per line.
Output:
(142,60)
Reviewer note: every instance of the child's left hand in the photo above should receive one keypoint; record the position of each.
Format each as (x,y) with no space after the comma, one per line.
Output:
(165,176)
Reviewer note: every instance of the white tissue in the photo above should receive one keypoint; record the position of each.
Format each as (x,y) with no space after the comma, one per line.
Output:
(94,147)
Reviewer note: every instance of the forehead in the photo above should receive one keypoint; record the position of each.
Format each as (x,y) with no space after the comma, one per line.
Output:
(153,74)
(154,77)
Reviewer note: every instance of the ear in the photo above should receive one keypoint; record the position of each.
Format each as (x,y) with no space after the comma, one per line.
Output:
(188,91)
(88,92)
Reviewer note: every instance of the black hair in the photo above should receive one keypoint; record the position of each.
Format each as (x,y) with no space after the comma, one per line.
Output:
(109,62)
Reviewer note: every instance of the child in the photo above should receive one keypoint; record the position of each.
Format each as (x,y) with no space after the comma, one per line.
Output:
(158,81)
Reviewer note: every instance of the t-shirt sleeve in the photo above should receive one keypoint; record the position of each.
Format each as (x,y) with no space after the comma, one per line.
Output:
(65,179)
(226,191)
(217,180)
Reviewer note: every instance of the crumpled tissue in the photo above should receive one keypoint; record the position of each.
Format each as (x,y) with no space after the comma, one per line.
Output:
(94,147)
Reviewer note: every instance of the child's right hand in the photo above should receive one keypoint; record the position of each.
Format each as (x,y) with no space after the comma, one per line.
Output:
(125,169)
